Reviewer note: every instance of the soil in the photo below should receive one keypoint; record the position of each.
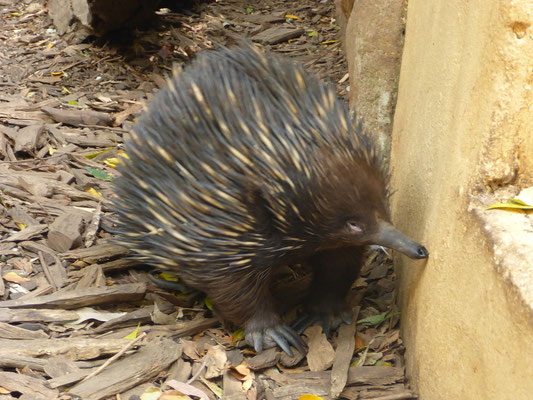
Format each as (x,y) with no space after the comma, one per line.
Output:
(78,319)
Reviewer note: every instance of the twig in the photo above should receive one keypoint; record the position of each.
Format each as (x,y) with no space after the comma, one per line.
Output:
(197,374)
(106,364)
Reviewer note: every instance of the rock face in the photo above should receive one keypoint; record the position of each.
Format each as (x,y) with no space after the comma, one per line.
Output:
(343,10)
(462,140)
(373,41)
(100,16)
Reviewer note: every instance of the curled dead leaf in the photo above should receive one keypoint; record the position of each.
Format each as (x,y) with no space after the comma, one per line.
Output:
(14,277)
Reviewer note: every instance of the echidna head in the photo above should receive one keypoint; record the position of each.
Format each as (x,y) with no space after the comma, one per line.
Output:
(349,207)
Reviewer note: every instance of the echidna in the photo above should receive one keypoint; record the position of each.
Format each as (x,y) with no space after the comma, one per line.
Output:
(244,163)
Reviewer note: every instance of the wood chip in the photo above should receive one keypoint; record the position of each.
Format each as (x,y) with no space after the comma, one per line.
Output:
(277,34)
(60,365)
(8,331)
(180,371)
(28,137)
(27,233)
(29,315)
(321,354)
(82,298)
(291,361)
(343,356)
(79,117)
(65,232)
(130,371)
(266,359)
(30,387)
(96,253)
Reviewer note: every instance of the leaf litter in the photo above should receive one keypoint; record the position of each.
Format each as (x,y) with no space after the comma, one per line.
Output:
(77,317)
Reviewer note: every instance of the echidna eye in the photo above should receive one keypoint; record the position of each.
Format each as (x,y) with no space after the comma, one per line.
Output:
(354,227)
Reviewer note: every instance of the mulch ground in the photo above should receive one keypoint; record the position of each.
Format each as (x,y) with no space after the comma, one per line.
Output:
(80,320)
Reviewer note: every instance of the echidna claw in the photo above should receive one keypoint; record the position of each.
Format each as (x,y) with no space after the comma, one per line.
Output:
(303,322)
(280,335)
(257,341)
(280,341)
(328,321)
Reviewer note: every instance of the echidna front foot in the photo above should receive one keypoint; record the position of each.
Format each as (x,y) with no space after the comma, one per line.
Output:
(329,313)
(265,331)
(334,272)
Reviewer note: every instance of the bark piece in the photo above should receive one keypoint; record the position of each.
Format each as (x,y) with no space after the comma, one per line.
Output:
(180,371)
(27,233)
(55,273)
(28,353)
(133,318)
(232,387)
(58,366)
(29,386)
(343,356)
(79,117)
(318,383)
(29,315)
(35,187)
(82,298)
(70,378)
(321,354)
(266,359)
(28,137)
(291,361)
(277,34)
(130,371)
(96,253)
(14,332)
(65,232)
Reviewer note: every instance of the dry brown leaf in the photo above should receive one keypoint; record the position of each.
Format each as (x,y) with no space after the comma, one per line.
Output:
(187,389)
(14,277)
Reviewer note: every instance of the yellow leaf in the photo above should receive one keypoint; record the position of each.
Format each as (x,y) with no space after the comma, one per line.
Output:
(208,303)
(330,41)
(57,73)
(133,335)
(151,393)
(21,225)
(247,384)
(51,150)
(169,276)
(49,46)
(513,204)
(112,162)
(309,397)
(213,387)
(122,153)
(93,155)
(93,191)
(520,202)
(237,335)
(291,16)
(14,277)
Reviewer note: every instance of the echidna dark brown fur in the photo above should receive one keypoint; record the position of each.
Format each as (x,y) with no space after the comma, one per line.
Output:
(246,162)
